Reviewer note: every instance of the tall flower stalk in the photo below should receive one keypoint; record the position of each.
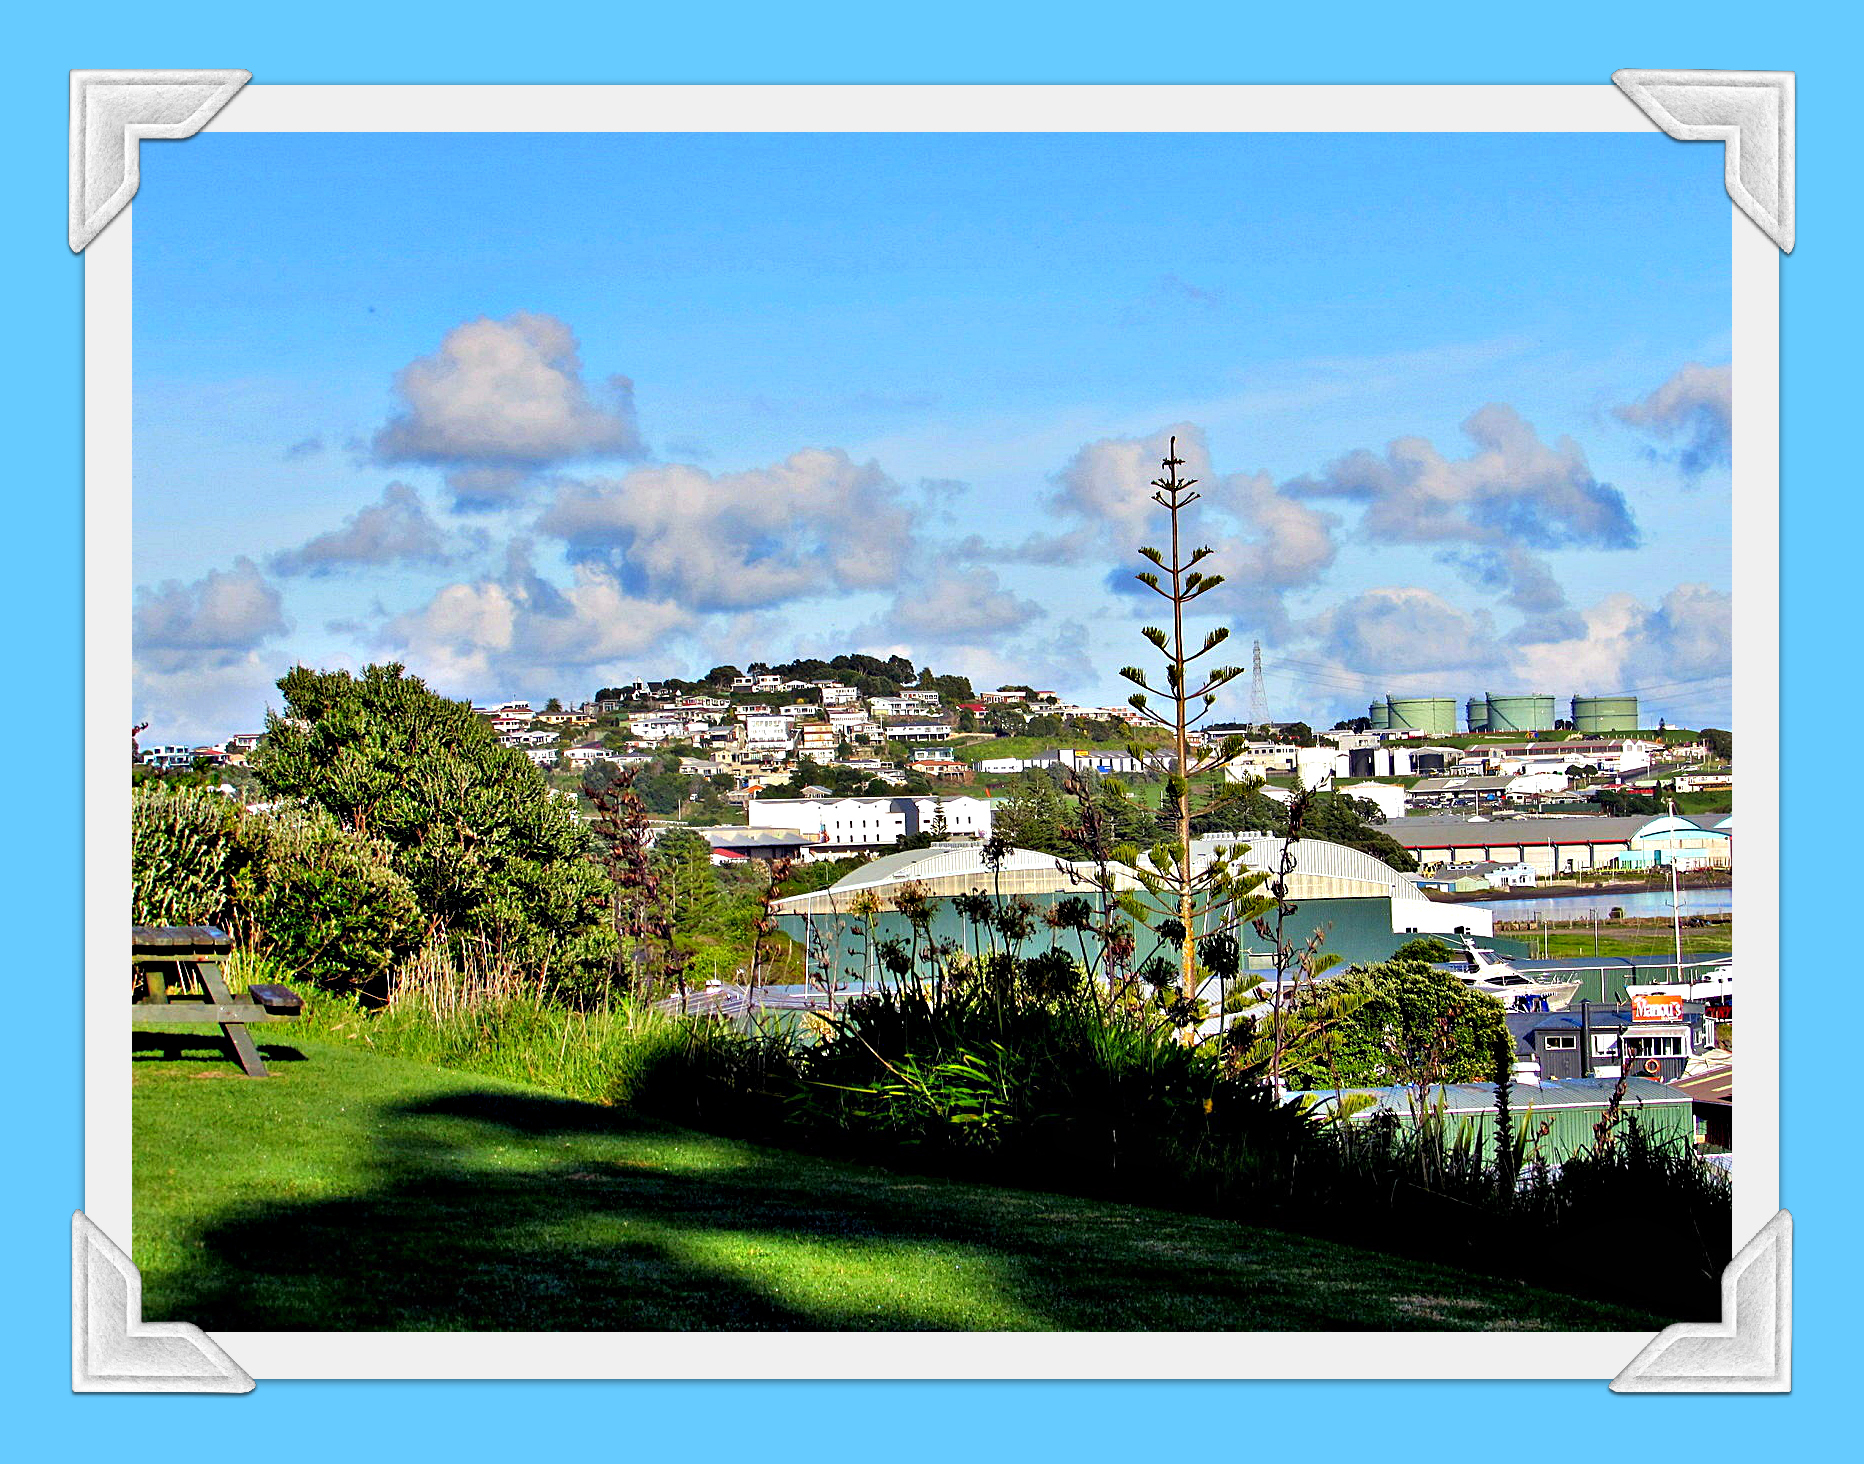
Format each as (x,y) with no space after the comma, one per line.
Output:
(1214,900)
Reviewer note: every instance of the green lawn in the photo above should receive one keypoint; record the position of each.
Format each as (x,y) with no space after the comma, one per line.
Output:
(351,1191)
(1647,941)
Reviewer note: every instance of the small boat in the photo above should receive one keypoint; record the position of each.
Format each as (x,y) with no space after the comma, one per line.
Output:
(1517,990)
(1709,983)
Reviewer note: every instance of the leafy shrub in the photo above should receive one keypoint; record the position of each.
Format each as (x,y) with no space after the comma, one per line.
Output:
(469,824)
(321,899)
(288,884)
(182,855)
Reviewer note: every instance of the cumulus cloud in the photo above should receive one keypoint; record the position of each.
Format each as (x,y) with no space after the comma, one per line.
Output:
(1694,411)
(507,394)
(816,522)
(1682,646)
(1396,630)
(197,704)
(1512,495)
(212,621)
(396,530)
(1106,485)
(957,605)
(1513,489)
(1267,542)
(487,488)
(520,632)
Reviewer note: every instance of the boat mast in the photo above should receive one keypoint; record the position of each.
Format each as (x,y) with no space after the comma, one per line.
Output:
(1676,907)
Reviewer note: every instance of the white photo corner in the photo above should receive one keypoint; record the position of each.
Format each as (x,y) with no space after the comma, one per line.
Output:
(1749,112)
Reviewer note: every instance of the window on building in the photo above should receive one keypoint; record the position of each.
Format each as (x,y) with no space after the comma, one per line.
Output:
(1560,1044)
(1654,1046)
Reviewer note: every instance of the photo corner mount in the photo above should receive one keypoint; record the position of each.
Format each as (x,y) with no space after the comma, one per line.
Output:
(1750,113)
(1750,1350)
(113,1350)
(111,113)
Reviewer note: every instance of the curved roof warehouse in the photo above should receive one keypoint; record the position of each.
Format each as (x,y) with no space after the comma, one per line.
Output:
(1364,908)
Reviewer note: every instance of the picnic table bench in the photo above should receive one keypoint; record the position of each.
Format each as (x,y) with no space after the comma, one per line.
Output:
(176,977)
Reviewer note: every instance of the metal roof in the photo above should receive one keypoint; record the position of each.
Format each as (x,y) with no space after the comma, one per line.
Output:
(1552,1093)
(1440,833)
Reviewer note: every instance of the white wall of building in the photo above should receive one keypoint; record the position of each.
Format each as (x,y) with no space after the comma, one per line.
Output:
(863,822)
(1388,796)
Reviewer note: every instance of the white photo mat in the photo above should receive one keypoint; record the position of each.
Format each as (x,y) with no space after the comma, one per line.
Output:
(673,109)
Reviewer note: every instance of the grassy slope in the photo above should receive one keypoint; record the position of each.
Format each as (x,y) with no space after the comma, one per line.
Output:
(357,1192)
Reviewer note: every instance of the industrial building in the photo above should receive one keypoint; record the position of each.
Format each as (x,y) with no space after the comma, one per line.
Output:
(1596,714)
(1529,712)
(1562,1116)
(1560,845)
(1434,716)
(871,823)
(1363,908)
(1532,713)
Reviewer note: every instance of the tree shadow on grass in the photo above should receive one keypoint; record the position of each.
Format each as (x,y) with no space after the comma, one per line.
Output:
(510,1212)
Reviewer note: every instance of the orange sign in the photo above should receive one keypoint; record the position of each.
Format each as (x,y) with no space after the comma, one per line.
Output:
(1656,1007)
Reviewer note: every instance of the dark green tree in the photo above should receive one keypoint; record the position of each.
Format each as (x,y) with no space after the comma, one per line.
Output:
(470,825)
(1416,1026)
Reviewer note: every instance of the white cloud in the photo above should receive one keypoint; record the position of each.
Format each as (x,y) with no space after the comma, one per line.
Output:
(1681,648)
(1266,542)
(958,604)
(197,704)
(814,523)
(507,393)
(1514,490)
(1693,409)
(522,634)
(212,621)
(397,530)
(1398,630)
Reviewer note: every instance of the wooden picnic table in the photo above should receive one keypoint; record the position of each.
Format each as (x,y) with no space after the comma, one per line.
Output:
(176,977)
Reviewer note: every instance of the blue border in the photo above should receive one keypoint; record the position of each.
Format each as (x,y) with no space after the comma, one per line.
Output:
(961,40)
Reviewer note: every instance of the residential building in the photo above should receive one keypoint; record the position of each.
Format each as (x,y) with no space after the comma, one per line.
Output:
(584,754)
(767,729)
(834,694)
(818,738)
(873,823)
(919,730)
(1484,874)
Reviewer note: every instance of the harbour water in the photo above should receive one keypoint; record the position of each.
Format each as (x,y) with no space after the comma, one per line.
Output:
(1636,904)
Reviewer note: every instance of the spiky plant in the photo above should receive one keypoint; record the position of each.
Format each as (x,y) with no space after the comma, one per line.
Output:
(1219,898)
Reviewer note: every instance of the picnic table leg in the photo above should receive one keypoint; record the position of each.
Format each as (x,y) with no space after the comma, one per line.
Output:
(244,1048)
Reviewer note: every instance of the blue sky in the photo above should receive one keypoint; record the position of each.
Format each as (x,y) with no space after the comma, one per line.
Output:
(535,414)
